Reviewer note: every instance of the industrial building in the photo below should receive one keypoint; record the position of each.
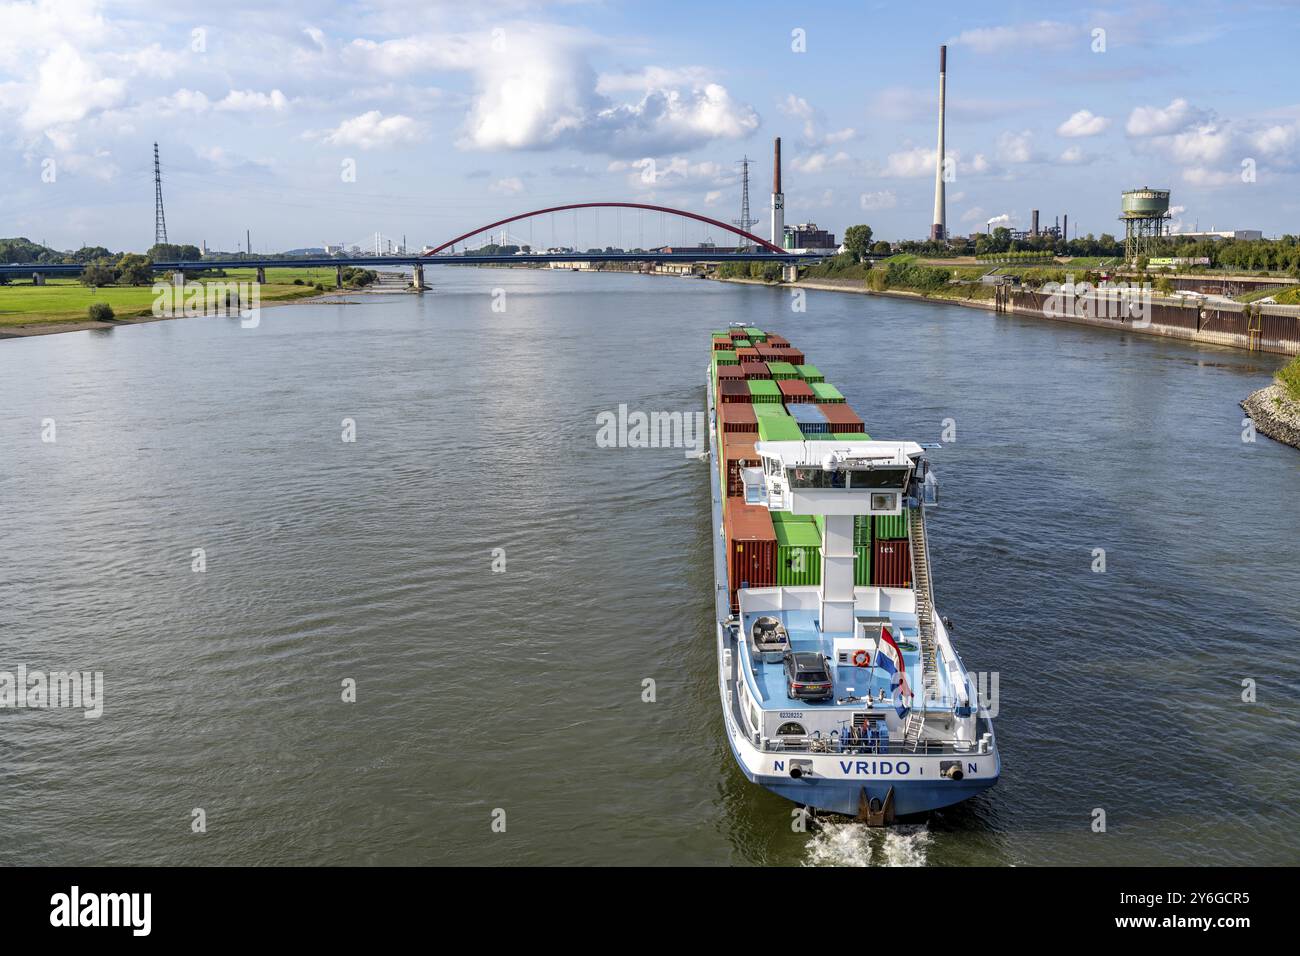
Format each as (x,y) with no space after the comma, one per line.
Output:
(807,237)
(1242,235)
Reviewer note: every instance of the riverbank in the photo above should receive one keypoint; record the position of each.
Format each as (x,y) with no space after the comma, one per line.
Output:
(1275,414)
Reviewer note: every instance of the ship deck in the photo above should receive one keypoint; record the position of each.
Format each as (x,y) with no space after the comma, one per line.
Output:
(769,679)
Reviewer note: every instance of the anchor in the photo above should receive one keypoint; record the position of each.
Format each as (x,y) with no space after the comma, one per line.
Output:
(874,813)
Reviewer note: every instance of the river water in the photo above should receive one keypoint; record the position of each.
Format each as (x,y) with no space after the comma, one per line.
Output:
(516,694)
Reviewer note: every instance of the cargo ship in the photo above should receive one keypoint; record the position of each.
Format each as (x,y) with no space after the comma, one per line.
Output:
(841,688)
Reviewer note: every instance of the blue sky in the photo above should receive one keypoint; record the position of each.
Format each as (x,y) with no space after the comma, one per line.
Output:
(324,122)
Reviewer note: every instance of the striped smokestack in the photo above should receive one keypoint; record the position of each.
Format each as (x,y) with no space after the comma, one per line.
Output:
(778,198)
(939,228)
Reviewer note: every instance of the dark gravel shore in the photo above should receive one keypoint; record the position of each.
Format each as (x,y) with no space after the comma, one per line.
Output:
(1274,414)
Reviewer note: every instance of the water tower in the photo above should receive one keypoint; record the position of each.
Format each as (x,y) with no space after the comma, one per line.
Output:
(1145,213)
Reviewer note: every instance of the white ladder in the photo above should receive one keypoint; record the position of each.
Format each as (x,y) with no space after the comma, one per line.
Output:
(924,602)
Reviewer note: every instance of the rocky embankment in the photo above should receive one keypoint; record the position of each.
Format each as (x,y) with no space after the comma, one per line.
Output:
(1274,414)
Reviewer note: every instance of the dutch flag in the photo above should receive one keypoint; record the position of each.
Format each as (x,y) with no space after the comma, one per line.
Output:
(890,657)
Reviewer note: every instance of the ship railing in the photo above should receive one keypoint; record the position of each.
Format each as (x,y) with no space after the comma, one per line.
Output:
(864,745)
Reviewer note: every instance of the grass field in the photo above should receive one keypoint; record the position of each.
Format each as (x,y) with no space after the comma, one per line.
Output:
(66,300)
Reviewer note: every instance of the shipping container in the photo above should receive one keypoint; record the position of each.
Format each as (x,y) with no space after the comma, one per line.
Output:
(777,341)
(781,370)
(851,436)
(756,335)
(778,428)
(741,344)
(891,527)
(729,371)
(751,547)
(810,420)
(768,354)
(810,373)
(738,417)
(737,453)
(798,550)
(793,390)
(862,531)
(725,358)
(734,390)
(762,391)
(841,417)
(792,355)
(754,370)
(737,333)
(747,355)
(827,394)
(891,565)
(721,343)
(862,566)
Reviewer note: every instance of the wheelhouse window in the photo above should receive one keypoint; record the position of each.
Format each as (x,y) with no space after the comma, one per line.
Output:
(791,730)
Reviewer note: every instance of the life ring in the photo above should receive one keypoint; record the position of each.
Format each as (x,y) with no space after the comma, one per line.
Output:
(860,658)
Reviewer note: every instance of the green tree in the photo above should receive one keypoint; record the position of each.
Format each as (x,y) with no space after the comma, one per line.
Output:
(857,240)
(134,269)
(97,273)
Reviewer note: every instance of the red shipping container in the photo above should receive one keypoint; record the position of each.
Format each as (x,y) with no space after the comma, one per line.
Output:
(738,418)
(792,355)
(892,567)
(747,355)
(721,344)
(842,418)
(795,390)
(777,342)
(768,354)
(755,370)
(751,548)
(738,453)
(739,334)
(734,390)
(729,371)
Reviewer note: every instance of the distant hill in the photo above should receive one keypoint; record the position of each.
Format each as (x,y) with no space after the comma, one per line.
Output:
(24,250)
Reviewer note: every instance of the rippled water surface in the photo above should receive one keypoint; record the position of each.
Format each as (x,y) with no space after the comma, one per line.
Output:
(521,690)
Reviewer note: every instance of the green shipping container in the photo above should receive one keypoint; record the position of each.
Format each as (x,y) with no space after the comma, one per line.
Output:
(798,551)
(727,357)
(851,436)
(862,531)
(778,428)
(755,334)
(781,370)
(892,527)
(862,567)
(762,391)
(770,408)
(742,343)
(827,394)
(810,374)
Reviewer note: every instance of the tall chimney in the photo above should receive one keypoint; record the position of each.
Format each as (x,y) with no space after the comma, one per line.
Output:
(778,198)
(1065,227)
(939,228)
(1033,230)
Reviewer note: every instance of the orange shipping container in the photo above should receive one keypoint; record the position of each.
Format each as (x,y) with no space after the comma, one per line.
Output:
(751,548)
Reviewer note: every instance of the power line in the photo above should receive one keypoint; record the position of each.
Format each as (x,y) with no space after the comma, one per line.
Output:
(159,219)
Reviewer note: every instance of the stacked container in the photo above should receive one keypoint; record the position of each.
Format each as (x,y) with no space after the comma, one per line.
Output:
(891,566)
(812,423)
(728,371)
(738,418)
(841,417)
(733,390)
(763,392)
(752,370)
(827,394)
(778,428)
(738,452)
(751,548)
(781,371)
(892,527)
(793,390)
(810,373)
(798,550)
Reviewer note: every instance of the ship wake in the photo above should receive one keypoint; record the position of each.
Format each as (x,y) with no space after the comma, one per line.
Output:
(855,844)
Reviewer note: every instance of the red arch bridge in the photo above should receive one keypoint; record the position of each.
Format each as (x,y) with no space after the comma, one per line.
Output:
(749,248)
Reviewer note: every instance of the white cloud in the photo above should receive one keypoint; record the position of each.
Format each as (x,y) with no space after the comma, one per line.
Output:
(1159,121)
(1083,123)
(1017,147)
(68,88)
(818,162)
(652,77)
(1075,156)
(883,199)
(245,101)
(1019,37)
(919,161)
(712,197)
(373,130)
(509,186)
